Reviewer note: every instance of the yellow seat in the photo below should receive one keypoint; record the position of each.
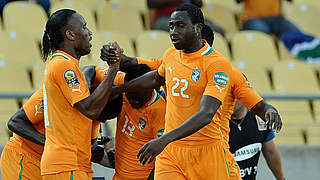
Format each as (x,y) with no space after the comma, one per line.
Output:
(152,44)
(120,18)
(19,49)
(254,47)
(87,61)
(305,17)
(257,76)
(230,4)
(7,108)
(81,8)
(291,77)
(290,135)
(14,80)
(294,112)
(313,134)
(93,5)
(221,45)
(284,53)
(221,16)
(25,17)
(37,75)
(316,110)
(138,5)
(101,38)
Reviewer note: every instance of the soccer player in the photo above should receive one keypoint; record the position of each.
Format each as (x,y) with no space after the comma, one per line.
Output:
(196,79)
(21,155)
(141,120)
(249,135)
(68,106)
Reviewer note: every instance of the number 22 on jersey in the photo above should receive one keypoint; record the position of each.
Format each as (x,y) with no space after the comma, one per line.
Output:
(184,83)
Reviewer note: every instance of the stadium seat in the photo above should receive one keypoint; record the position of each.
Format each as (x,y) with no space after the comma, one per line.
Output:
(25,17)
(313,135)
(294,112)
(304,16)
(257,76)
(117,18)
(221,16)
(138,5)
(37,75)
(19,48)
(254,47)
(14,80)
(316,110)
(291,77)
(87,61)
(290,135)
(152,44)
(101,38)
(230,4)
(7,108)
(283,52)
(221,45)
(81,8)
(93,5)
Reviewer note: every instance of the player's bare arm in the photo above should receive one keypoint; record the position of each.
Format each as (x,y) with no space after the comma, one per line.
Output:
(126,62)
(21,125)
(272,156)
(268,113)
(90,74)
(93,105)
(207,109)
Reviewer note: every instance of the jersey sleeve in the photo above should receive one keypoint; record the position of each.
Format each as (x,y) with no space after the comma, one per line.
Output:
(71,81)
(34,107)
(218,75)
(243,91)
(95,129)
(270,136)
(152,64)
(158,118)
(101,73)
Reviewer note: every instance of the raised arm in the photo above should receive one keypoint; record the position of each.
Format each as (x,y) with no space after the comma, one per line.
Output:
(207,109)
(93,105)
(20,124)
(272,156)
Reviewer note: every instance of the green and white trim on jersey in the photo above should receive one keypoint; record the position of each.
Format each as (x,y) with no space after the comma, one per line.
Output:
(45,105)
(208,51)
(59,54)
(21,168)
(155,97)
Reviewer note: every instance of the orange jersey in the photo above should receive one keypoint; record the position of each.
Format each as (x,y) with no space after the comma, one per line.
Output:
(256,8)
(68,131)
(101,74)
(152,64)
(34,111)
(135,127)
(189,76)
(239,89)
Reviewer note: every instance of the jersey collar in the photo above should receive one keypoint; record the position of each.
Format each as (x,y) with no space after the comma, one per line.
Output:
(64,55)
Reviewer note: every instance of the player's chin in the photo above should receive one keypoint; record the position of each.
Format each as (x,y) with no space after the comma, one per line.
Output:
(178,46)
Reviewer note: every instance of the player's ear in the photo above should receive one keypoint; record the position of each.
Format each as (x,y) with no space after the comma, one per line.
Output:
(198,28)
(70,35)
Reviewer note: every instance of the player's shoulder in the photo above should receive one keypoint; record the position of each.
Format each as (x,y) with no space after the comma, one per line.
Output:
(170,52)
(157,103)
(58,61)
(215,59)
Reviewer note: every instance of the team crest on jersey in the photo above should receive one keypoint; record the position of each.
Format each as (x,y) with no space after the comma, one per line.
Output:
(262,126)
(71,78)
(142,124)
(196,74)
(160,132)
(41,105)
(221,78)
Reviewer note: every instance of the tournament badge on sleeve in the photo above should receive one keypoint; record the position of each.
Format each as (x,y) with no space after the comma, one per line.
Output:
(262,126)
(196,74)
(71,78)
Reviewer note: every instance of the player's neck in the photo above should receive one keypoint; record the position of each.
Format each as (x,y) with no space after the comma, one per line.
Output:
(239,115)
(196,46)
(71,51)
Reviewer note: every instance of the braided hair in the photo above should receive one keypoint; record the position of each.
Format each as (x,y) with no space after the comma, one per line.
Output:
(54,32)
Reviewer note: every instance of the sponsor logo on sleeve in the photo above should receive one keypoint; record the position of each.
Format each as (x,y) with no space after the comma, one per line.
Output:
(142,124)
(221,78)
(262,126)
(196,74)
(160,132)
(71,78)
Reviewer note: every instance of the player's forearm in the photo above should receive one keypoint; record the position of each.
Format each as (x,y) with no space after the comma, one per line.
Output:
(20,125)
(272,157)
(261,108)
(93,105)
(126,62)
(145,82)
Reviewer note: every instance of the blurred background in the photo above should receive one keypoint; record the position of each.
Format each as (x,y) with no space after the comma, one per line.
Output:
(280,58)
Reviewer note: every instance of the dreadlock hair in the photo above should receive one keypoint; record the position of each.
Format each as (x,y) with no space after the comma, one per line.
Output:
(53,34)
(194,12)
(207,34)
(135,71)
